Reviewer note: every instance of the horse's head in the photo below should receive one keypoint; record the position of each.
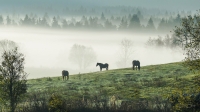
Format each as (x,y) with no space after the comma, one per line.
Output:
(97,64)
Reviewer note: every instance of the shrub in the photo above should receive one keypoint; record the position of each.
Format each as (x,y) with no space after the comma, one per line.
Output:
(56,104)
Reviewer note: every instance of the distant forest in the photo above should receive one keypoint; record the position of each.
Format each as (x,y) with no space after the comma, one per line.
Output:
(116,18)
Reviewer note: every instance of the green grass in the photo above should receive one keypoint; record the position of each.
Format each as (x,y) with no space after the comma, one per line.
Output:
(127,84)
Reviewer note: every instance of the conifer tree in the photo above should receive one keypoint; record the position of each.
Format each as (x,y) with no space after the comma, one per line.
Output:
(1,20)
(150,26)
(134,23)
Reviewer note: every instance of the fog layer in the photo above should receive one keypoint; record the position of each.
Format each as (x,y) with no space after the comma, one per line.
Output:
(47,51)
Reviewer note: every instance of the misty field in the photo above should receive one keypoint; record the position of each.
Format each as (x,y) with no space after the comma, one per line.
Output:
(40,39)
(126,84)
(47,51)
(146,90)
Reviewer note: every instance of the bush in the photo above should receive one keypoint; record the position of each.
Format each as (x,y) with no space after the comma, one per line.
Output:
(56,104)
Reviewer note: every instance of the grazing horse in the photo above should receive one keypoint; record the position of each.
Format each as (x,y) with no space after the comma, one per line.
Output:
(64,74)
(102,66)
(136,64)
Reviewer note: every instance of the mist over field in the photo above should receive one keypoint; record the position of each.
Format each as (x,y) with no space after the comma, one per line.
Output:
(99,55)
(96,24)
(47,51)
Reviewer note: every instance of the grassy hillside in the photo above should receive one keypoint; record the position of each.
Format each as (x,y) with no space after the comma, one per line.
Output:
(127,84)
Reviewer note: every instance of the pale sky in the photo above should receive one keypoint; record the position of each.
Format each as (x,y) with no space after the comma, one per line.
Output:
(162,4)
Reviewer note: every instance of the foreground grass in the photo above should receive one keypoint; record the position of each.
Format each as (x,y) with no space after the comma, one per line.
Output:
(127,84)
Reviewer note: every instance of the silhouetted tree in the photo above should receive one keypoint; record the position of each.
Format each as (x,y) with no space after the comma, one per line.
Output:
(64,24)
(150,26)
(7,45)
(93,22)
(1,20)
(71,25)
(175,41)
(129,17)
(112,18)
(27,21)
(55,23)
(167,41)
(170,42)
(189,35)
(12,78)
(47,18)
(139,15)
(78,25)
(123,24)
(108,25)
(86,24)
(8,20)
(83,19)
(42,22)
(103,17)
(135,23)
(82,56)
(162,25)
(166,14)
(126,50)
(150,42)
(177,20)
(159,42)
(58,18)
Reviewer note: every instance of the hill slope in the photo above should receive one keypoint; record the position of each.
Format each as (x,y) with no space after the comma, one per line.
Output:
(127,84)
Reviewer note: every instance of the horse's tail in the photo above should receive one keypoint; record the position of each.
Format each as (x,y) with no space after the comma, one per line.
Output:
(107,66)
(67,75)
(133,64)
(139,65)
(62,73)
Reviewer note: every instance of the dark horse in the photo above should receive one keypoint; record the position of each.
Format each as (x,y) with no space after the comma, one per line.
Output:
(64,74)
(102,66)
(136,64)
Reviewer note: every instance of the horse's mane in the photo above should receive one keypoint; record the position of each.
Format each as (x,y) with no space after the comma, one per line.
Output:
(102,63)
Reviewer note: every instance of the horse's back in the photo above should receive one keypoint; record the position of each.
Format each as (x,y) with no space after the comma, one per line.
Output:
(65,72)
(136,62)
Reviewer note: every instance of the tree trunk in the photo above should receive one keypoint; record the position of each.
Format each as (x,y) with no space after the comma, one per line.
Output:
(11,96)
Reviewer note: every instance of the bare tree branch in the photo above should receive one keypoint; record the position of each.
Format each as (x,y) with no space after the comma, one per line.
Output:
(82,56)
(126,50)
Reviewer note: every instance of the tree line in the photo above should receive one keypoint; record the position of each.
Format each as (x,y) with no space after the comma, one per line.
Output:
(13,77)
(131,22)
(169,41)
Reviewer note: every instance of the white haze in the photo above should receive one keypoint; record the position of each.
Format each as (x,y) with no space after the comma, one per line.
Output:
(46,51)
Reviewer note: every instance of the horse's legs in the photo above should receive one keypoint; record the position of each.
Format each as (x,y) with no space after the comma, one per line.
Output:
(133,67)
(63,77)
(100,69)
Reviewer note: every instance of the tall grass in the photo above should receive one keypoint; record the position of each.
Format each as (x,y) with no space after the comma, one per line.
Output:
(137,91)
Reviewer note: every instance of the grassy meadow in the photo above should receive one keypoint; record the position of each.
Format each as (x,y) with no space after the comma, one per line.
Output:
(126,84)
(155,88)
